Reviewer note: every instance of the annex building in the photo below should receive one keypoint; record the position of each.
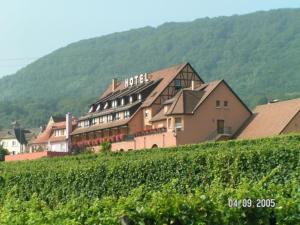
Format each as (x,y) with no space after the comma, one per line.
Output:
(168,107)
(273,119)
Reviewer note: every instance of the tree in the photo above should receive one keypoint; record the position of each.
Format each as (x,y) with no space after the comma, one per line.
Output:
(3,152)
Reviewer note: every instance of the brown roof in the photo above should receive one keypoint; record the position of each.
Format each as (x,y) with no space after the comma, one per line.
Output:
(159,116)
(57,139)
(160,74)
(165,75)
(48,134)
(43,137)
(188,100)
(110,110)
(270,119)
(112,124)
(7,134)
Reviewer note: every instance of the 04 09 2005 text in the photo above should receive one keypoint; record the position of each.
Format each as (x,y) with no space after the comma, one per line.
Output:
(250,203)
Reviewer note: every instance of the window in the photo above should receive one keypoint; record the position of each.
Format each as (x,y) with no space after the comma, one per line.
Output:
(169,123)
(220,126)
(91,109)
(79,125)
(218,103)
(14,143)
(114,104)
(177,84)
(122,101)
(130,99)
(62,147)
(178,123)
(98,107)
(93,121)
(62,132)
(117,116)
(146,113)
(106,105)
(109,118)
(56,133)
(166,108)
(225,103)
(101,119)
(127,114)
(86,123)
(140,97)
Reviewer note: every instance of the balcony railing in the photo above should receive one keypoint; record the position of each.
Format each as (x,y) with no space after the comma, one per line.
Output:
(99,141)
(116,138)
(150,131)
(214,135)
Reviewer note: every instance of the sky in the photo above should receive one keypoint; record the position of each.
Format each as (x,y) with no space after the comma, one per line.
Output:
(33,28)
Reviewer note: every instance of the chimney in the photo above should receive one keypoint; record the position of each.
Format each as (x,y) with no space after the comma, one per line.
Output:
(68,130)
(42,128)
(114,84)
(193,85)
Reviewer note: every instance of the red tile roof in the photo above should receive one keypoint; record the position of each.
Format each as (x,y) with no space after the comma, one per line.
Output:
(270,119)
(48,133)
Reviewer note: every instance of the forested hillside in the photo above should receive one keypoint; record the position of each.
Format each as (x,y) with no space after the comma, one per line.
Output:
(257,54)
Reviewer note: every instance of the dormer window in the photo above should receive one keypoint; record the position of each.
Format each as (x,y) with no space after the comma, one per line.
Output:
(98,107)
(114,104)
(122,101)
(140,97)
(91,109)
(106,105)
(130,99)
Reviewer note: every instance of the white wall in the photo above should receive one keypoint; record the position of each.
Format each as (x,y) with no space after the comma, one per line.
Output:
(12,145)
(58,147)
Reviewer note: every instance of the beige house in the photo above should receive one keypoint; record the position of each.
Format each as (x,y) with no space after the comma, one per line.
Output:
(169,107)
(56,136)
(273,119)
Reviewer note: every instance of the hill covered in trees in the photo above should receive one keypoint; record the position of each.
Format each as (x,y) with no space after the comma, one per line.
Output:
(258,54)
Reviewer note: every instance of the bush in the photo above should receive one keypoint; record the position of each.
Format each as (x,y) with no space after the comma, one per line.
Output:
(207,205)
(263,168)
(106,147)
(3,153)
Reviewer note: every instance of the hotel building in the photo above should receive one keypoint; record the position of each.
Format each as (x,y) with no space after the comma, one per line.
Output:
(169,107)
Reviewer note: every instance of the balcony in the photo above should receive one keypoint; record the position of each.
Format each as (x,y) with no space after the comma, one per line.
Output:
(99,141)
(220,134)
(150,131)
(116,138)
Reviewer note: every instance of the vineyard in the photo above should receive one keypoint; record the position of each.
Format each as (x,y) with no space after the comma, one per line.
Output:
(191,184)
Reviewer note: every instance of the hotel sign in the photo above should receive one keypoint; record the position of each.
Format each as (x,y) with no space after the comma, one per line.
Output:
(138,79)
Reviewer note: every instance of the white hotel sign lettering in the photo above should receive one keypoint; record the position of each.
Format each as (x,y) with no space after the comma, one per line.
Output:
(138,79)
